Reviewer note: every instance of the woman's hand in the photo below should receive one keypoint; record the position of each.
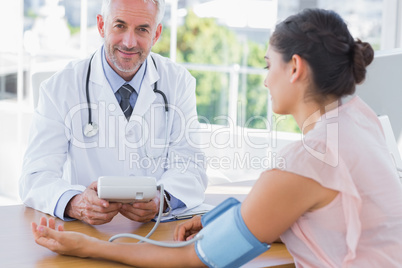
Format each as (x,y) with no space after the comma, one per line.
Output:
(188,229)
(65,243)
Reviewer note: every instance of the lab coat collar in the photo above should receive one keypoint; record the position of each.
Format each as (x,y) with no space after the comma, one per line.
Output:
(97,76)
(99,84)
(147,95)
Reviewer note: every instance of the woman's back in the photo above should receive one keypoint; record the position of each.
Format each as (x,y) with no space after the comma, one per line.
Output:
(362,226)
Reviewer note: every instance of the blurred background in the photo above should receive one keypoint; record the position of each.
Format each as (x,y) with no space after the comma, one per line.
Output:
(221,42)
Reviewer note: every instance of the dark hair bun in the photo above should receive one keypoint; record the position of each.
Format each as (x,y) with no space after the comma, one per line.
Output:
(363,55)
(322,38)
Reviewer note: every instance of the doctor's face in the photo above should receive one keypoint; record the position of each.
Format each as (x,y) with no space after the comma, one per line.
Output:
(129,32)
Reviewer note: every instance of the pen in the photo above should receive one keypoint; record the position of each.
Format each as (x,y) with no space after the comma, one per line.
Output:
(189,216)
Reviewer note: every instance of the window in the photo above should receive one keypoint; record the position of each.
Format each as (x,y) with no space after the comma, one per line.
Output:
(221,42)
(224,52)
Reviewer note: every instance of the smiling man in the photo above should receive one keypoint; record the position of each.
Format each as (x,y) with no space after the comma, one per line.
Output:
(122,112)
(129,34)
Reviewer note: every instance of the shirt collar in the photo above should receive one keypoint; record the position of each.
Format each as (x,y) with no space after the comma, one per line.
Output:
(115,80)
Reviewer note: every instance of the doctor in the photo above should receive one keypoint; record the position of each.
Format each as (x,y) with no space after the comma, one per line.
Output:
(85,126)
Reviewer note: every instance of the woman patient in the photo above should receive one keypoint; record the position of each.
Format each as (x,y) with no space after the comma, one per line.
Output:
(338,200)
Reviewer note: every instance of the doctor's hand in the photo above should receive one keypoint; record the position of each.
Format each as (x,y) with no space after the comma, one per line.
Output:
(187,230)
(89,208)
(141,211)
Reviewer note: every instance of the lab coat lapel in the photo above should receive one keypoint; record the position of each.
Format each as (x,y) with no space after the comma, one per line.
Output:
(104,95)
(147,96)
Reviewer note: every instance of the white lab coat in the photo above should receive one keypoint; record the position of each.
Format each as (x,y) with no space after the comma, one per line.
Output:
(60,158)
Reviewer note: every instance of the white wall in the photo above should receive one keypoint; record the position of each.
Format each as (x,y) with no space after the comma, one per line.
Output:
(10,16)
(382,89)
(237,154)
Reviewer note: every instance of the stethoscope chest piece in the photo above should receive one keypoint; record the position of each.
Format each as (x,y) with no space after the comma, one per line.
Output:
(91,129)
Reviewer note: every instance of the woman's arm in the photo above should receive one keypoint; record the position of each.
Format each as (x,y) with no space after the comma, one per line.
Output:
(141,255)
(278,199)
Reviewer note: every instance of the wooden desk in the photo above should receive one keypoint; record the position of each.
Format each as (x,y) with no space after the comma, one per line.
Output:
(18,248)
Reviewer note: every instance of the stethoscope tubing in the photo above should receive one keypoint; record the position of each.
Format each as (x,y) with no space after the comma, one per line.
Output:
(87,91)
(91,129)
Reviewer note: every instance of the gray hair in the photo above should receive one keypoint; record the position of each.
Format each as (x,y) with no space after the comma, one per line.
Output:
(160,4)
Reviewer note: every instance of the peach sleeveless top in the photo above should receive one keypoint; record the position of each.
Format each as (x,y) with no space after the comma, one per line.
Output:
(362,227)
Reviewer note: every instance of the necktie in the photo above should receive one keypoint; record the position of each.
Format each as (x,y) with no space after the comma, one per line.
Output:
(125,92)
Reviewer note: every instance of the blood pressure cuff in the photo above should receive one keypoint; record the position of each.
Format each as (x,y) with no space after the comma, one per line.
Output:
(226,241)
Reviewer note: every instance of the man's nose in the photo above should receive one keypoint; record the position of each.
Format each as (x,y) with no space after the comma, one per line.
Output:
(130,39)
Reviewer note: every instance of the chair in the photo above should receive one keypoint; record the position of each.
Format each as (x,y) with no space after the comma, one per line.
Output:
(36,80)
(391,143)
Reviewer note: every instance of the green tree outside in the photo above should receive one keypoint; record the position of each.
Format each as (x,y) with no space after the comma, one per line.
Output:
(203,41)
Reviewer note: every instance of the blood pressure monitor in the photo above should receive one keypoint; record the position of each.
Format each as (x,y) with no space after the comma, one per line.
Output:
(127,189)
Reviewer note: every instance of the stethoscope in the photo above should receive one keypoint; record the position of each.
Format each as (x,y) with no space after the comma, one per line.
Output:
(91,128)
